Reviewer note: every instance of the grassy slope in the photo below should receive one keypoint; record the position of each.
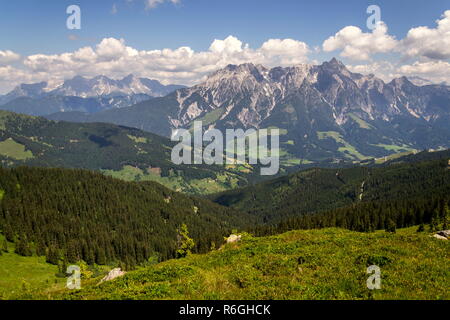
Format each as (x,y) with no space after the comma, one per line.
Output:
(20,274)
(12,149)
(315,264)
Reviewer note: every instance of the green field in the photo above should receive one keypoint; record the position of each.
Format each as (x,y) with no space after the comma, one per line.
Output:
(14,150)
(210,117)
(349,150)
(19,275)
(362,124)
(138,139)
(315,264)
(222,182)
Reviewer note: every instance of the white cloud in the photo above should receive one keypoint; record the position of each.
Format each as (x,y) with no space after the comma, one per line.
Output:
(113,58)
(420,42)
(435,71)
(382,69)
(110,49)
(358,45)
(228,46)
(8,57)
(285,52)
(428,42)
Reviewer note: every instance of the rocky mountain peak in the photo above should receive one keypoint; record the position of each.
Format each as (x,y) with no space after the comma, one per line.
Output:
(334,65)
(400,82)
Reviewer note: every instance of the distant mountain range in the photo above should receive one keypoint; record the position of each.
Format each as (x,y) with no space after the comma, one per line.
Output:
(323,111)
(82,95)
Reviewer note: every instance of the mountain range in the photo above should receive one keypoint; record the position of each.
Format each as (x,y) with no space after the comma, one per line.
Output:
(323,111)
(82,95)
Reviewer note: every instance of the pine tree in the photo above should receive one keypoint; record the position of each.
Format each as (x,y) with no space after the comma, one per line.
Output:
(40,249)
(421,228)
(23,247)
(52,256)
(8,233)
(445,217)
(100,256)
(185,243)
(390,226)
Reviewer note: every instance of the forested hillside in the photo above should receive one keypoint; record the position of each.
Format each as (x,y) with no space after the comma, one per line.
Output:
(71,215)
(364,198)
(125,153)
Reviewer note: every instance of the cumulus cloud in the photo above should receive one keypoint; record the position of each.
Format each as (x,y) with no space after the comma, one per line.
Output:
(432,43)
(358,45)
(435,71)
(382,69)
(113,58)
(420,42)
(8,57)
(285,52)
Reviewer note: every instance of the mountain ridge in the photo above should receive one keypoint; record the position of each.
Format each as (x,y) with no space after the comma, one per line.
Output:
(324,111)
(100,93)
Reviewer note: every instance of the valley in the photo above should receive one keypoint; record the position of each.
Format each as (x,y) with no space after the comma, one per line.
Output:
(126,153)
(363,180)
(217,160)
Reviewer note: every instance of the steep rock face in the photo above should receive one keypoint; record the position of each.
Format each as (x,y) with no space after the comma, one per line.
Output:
(248,94)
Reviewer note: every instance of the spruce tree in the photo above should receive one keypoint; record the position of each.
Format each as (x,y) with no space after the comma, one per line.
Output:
(23,247)
(185,243)
(390,226)
(52,256)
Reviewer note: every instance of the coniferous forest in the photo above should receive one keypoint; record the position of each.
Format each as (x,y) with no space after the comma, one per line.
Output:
(72,215)
(359,198)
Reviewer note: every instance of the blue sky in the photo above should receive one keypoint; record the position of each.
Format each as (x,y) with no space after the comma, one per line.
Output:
(115,42)
(37,26)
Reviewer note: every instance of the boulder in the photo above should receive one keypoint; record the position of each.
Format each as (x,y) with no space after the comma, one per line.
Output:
(234,238)
(439,237)
(113,274)
(444,233)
